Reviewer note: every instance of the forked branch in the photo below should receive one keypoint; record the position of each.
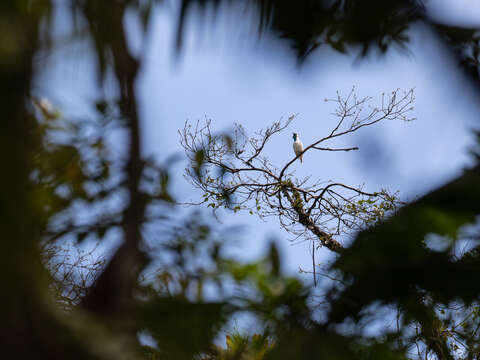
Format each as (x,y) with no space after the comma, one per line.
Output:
(234,171)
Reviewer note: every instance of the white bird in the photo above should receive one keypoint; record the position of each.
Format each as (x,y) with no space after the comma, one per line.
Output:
(297,146)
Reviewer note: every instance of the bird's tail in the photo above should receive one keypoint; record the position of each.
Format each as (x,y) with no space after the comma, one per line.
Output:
(301,159)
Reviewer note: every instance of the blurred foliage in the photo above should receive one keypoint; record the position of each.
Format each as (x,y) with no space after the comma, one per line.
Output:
(63,182)
(392,264)
(339,24)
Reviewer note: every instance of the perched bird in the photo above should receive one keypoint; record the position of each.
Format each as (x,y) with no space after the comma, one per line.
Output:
(297,146)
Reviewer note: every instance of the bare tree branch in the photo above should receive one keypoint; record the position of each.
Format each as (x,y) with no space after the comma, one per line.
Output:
(394,107)
(233,171)
(330,149)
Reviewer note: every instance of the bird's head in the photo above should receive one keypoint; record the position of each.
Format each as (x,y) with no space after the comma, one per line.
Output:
(295,136)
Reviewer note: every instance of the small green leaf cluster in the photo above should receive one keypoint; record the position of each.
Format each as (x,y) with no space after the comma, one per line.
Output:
(372,209)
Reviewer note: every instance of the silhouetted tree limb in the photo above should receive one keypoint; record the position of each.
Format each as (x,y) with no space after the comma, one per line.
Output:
(112,293)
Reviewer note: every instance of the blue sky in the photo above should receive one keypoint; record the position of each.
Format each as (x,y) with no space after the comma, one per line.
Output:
(228,75)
